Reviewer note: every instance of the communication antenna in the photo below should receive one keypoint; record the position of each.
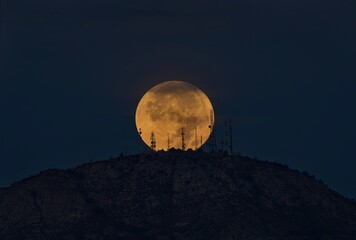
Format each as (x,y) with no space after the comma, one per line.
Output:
(230,136)
(168,146)
(196,139)
(201,140)
(211,120)
(140,141)
(140,134)
(212,144)
(222,142)
(183,144)
(153,141)
(226,137)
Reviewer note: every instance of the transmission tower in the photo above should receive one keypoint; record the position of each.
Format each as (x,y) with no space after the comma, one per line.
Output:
(201,141)
(226,137)
(196,139)
(230,128)
(153,141)
(183,144)
(140,141)
(212,140)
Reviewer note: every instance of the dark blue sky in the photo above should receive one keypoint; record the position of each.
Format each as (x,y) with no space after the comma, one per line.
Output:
(72,73)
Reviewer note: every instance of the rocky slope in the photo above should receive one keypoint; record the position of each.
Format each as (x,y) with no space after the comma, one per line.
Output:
(175,195)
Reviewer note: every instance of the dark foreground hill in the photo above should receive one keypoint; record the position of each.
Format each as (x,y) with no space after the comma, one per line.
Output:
(175,195)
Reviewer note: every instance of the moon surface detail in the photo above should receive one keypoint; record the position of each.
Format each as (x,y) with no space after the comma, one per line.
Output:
(174,114)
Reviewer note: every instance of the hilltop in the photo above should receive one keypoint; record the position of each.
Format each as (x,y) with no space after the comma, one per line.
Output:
(175,195)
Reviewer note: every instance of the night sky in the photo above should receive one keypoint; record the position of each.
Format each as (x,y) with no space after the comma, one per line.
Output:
(72,73)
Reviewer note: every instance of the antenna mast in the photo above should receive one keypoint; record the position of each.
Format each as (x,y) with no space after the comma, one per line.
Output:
(140,139)
(196,139)
(183,144)
(153,141)
(226,137)
(168,146)
(201,140)
(212,144)
(230,136)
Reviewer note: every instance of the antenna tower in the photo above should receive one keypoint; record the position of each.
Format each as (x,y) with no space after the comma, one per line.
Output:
(196,139)
(226,137)
(153,141)
(212,142)
(168,146)
(230,128)
(140,141)
(183,144)
(201,140)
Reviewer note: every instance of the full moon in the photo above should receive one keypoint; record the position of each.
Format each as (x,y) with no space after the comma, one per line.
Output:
(174,114)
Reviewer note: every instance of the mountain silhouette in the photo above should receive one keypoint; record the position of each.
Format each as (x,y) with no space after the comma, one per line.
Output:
(175,195)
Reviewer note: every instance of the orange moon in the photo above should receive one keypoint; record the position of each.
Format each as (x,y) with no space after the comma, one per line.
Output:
(171,108)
